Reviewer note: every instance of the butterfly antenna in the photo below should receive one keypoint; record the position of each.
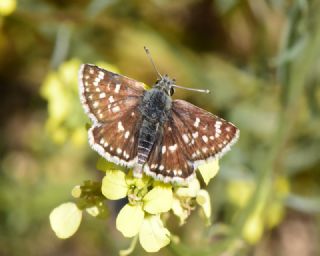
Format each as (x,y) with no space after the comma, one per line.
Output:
(151,60)
(192,89)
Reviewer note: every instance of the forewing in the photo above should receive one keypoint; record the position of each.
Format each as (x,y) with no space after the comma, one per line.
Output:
(117,140)
(189,138)
(105,96)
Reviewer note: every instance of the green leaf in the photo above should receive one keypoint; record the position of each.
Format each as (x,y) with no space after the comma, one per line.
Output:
(129,220)
(114,185)
(159,199)
(153,235)
(209,170)
(65,219)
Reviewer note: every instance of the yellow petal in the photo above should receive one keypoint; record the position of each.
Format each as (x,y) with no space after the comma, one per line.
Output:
(129,220)
(190,191)
(114,185)
(253,229)
(209,170)
(137,182)
(203,199)
(153,235)
(179,211)
(7,7)
(159,199)
(65,219)
(68,72)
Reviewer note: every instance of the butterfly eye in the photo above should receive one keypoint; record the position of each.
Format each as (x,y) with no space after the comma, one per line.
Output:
(171,91)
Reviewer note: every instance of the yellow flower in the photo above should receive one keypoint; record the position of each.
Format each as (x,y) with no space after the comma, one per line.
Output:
(65,219)
(183,197)
(209,170)
(153,235)
(7,7)
(147,198)
(141,216)
(159,199)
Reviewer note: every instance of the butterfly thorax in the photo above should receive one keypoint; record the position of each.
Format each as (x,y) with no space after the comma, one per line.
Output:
(155,106)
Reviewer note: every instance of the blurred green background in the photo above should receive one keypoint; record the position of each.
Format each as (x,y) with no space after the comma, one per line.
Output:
(259,58)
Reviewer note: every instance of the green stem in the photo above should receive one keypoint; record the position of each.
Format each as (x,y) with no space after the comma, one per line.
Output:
(296,73)
(292,76)
(131,247)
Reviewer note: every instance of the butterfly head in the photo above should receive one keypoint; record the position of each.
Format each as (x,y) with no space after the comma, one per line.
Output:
(165,84)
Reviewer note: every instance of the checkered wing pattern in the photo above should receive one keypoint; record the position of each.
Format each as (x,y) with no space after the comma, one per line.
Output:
(111,101)
(191,137)
(117,140)
(105,96)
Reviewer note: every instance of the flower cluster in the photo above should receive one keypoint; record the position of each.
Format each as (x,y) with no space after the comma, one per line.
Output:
(147,202)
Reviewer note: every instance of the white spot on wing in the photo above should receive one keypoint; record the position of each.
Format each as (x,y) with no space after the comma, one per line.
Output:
(101,75)
(197,122)
(185,138)
(96,81)
(126,135)
(117,89)
(102,95)
(95,104)
(111,99)
(120,126)
(164,149)
(195,135)
(115,109)
(205,138)
(173,147)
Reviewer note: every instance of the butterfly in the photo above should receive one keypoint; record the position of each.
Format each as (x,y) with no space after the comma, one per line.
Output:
(147,130)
